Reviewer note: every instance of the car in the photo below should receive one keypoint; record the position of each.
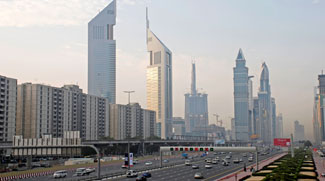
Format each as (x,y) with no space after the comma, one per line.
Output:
(45,165)
(135,162)
(244,155)
(60,174)
(198,175)
(131,173)
(148,163)
(323,174)
(240,160)
(236,160)
(80,172)
(141,178)
(214,161)
(225,163)
(124,166)
(146,174)
(165,161)
(90,170)
(228,157)
(188,163)
(208,166)
(208,160)
(195,167)
(250,159)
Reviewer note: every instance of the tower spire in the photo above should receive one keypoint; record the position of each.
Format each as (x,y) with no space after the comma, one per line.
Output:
(193,83)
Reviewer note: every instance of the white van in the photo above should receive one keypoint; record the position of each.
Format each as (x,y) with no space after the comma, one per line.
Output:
(60,174)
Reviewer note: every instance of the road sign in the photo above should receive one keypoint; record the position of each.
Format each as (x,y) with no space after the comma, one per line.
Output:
(206,149)
(283,142)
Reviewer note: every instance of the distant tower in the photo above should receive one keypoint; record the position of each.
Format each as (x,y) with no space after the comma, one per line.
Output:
(196,110)
(102,54)
(265,107)
(241,98)
(159,83)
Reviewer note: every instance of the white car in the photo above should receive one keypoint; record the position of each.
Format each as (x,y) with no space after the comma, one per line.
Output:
(188,163)
(198,175)
(148,163)
(250,159)
(208,166)
(90,170)
(60,174)
(131,173)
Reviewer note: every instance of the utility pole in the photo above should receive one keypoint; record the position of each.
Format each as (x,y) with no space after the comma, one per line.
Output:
(129,93)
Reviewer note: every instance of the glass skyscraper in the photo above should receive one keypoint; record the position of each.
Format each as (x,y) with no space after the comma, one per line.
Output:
(241,98)
(159,83)
(102,54)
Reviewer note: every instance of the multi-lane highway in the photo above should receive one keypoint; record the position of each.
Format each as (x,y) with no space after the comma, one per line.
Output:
(183,172)
(179,172)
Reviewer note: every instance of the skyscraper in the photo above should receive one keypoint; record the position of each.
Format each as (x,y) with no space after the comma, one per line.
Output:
(279,126)
(196,110)
(265,107)
(241,95)
(159,83)
(102,54)
(273,118)
(299,134)
(319,110)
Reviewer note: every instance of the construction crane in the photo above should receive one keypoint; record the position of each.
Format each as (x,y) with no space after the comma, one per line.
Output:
(217,120)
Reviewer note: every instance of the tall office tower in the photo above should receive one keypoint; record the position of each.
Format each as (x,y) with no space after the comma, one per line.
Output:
(319,110)
(250,107)
(43,109)
(316,115)
(265,106)
(256,123)
(8,103)
(273,107)
(279,126)
(159,83)
(196,110)
(241,98)
(178,126)
(299,134)
(131,121)
(102,54)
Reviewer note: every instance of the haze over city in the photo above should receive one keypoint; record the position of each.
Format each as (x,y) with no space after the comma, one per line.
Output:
(46,42)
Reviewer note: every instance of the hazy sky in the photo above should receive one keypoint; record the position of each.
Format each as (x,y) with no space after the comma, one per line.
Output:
(45,41)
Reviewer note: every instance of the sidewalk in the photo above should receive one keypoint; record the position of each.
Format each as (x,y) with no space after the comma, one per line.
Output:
(240,174)
(320,164)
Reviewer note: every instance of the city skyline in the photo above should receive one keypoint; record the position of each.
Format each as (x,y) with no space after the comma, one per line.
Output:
(295,67)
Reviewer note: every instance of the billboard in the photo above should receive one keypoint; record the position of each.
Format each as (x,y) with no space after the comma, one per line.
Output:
(283,142)
(220,142)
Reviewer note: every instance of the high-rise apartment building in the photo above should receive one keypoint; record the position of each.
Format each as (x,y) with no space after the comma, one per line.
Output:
(43,109)
(131,121)
(102,54)
(241,96)
(8,103)
(196,110)
(159,83)
(265,107)
(299,134)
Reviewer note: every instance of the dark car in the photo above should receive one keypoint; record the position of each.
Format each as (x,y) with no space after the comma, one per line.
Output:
(142,178)
(146,174)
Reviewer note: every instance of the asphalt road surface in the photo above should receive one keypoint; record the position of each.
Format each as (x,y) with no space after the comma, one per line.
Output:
(183,173)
